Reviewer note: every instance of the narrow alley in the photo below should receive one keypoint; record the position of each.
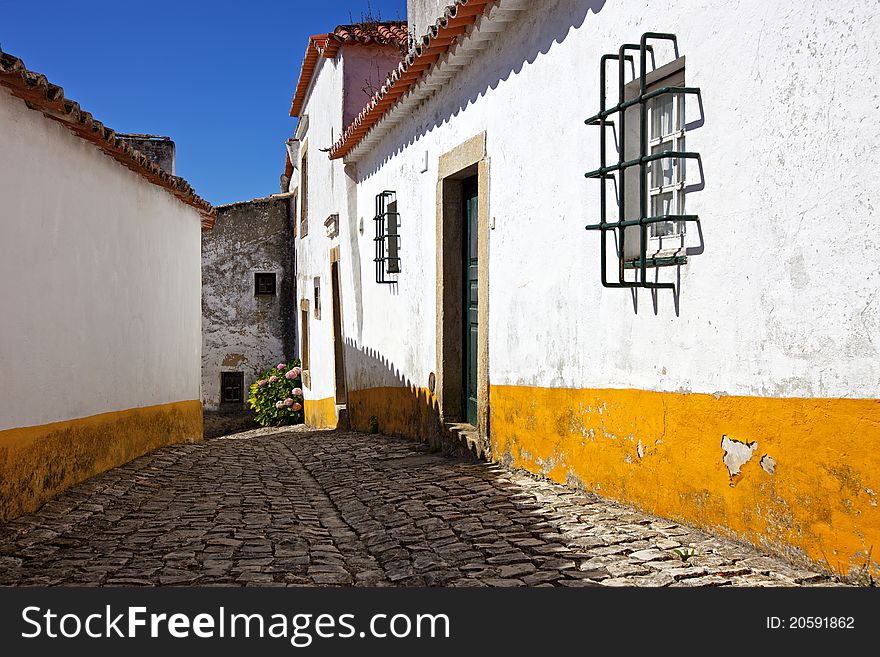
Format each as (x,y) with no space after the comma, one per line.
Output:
(299,507)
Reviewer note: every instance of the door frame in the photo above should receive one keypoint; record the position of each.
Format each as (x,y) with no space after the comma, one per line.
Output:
(465,160)
(339,374)
(470,191)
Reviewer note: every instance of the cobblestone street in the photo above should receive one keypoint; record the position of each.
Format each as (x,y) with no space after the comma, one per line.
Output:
(297,507)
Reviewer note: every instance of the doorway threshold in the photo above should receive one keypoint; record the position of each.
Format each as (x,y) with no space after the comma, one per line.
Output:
(464,439)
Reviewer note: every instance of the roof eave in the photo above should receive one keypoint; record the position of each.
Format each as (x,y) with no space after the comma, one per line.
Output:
(41,95)
(449,44)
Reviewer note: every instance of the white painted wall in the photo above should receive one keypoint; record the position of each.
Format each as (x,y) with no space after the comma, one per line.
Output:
(100,302)
(327,195)
(422,13)
(783,302)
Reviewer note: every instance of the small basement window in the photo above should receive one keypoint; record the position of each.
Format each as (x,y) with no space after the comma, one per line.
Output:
(264,284)
(231,387)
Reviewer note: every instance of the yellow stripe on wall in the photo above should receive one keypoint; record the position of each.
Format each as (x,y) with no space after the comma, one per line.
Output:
(39,462)
(399,411)
(320,413)
(808,487)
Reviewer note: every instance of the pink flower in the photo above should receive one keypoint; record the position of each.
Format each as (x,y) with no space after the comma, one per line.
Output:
(298,370)
(288,402)
(273,379)
(279,404)
(297,392)
(261,382)
(282,366)
(296,407)
(291,375)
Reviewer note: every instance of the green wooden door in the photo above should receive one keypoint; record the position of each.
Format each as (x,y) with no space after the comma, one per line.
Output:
(470,300)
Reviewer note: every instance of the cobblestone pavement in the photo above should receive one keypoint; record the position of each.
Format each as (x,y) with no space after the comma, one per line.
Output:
(282,507)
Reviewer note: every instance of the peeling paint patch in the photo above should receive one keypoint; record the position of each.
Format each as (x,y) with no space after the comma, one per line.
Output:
(736,455)
(769,464)
(641,450)
(232,360)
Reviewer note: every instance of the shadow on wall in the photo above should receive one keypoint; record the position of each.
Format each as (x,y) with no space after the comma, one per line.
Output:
(382,399)
(527,40)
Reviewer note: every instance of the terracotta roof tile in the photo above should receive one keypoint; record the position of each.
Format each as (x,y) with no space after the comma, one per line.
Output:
(423,54)
(48,98)
(327,45)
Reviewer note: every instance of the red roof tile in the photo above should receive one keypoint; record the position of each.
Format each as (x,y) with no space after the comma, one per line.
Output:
(327,45)
(49,99)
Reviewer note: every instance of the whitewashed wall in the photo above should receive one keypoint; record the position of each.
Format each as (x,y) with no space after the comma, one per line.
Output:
(327,194)
(783,302)
(422,13)
(100,302)
(336,90)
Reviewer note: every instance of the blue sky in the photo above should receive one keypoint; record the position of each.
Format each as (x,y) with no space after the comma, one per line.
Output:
(217,77)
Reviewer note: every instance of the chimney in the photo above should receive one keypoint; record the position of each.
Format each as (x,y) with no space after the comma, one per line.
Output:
(157,148)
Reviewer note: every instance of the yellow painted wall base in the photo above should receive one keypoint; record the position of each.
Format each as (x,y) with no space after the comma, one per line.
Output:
(809,492)
(39,462)
(410,412)
(320,413)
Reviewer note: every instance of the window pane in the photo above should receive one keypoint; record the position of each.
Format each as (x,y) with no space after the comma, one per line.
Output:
(662,114)
(393,241)
(662,204)
(663,170)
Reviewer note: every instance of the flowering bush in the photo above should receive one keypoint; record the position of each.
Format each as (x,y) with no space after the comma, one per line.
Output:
(277,397)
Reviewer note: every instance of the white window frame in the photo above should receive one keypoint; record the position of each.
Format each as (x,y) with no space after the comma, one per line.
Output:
(673,140)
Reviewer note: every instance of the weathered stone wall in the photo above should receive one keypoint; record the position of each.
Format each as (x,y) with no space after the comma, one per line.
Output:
(160,150)
(243,332)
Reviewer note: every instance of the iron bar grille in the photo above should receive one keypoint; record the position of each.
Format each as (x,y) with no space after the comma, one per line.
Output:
(607,172)
(387,238)
(231,387)
(264,284)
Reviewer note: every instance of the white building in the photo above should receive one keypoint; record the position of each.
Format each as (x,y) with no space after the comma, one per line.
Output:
(340,71)
(100,332)
(731,382)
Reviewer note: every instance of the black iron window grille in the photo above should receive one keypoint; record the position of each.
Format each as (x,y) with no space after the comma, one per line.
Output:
(387,238)
(264,284)
(231,387)
(661,159)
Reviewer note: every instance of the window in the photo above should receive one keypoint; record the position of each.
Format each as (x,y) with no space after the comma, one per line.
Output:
(304,192)
(392,237)
(387,238)
(264,284)
(317,297)
(666,133)
(231,387)
(304,339)
(648,180)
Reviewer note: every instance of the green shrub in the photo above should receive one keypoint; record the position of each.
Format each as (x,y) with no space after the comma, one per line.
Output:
(277,397)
